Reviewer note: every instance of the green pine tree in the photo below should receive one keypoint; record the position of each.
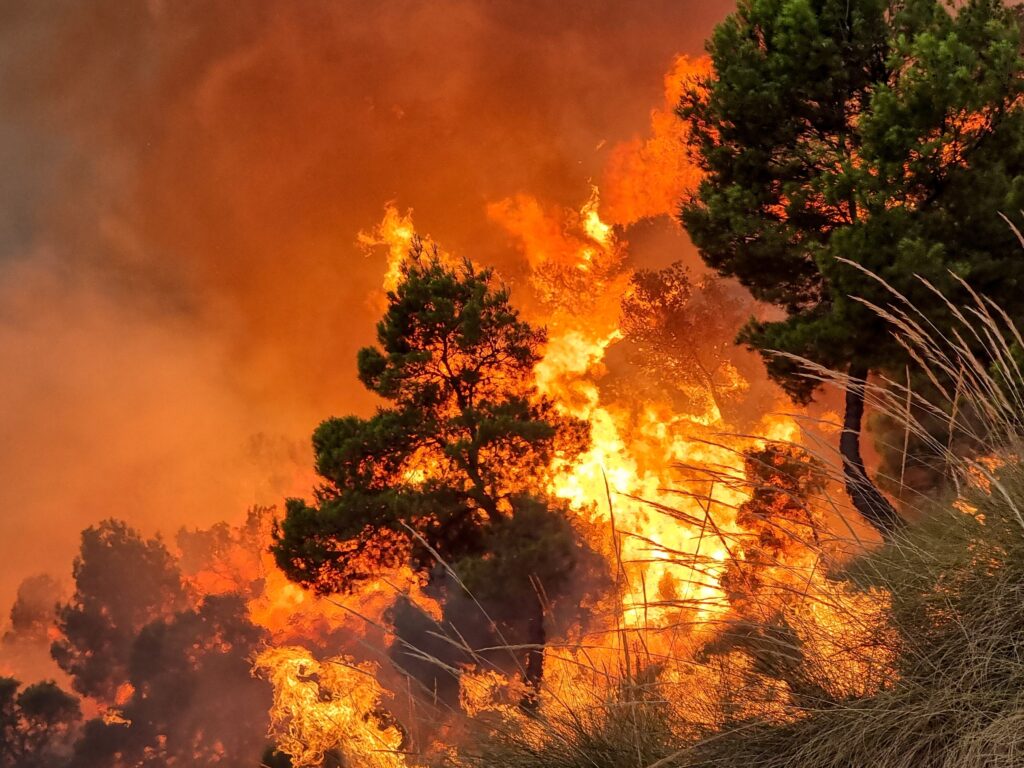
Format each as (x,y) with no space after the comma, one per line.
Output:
(886,134)
(457,463)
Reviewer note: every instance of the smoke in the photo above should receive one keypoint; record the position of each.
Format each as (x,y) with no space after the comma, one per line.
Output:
(181,294)
(181,288)
(25,646)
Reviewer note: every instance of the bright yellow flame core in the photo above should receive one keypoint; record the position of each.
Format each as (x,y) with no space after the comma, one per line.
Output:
(632,456)
(331,705)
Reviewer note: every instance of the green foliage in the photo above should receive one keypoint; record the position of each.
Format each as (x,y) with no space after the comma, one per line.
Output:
(886,134)
(535,540)
(465,434)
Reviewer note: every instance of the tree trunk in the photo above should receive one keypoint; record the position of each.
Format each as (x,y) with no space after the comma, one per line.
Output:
(866,497)
(536,637)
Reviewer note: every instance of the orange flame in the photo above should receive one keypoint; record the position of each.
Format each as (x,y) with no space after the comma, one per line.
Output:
(334,705)
(669,532)
(648,177)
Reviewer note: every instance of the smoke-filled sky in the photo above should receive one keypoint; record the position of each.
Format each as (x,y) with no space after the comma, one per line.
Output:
(181,292)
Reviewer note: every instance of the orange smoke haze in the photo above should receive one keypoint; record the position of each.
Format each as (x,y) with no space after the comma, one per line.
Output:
(181,287)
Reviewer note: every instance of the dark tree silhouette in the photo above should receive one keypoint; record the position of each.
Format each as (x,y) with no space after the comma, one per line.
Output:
(194,700)
(37,724)
(172,678)
(122,583)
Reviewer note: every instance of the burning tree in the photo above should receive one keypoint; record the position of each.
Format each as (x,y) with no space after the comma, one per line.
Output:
(839,137)
(680,333)
(191,696)
(171,679)
(456,468)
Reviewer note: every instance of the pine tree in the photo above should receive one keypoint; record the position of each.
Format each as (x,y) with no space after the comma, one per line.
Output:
(886,134)
(457,465)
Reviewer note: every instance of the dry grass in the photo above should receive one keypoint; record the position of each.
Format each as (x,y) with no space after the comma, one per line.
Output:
(956,579)
(952,648)
(956,699)
(634,725)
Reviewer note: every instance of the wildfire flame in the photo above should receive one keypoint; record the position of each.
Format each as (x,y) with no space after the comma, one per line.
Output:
(647,177)
(670,534)
(334,705)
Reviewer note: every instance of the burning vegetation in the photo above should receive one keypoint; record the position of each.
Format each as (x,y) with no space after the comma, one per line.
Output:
(581,526)
(549,508)
(548,495)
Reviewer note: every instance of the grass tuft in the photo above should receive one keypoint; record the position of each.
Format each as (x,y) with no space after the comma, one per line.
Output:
(944,657)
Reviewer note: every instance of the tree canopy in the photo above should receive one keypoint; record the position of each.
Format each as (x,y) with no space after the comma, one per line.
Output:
(194,700)
(122,583)
(171,674)
(466,434)
(37,724)
(458,462)
(886,134)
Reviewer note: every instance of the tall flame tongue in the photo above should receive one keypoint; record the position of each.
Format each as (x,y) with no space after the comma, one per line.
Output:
(633,455)
(396,233)
(647,177)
